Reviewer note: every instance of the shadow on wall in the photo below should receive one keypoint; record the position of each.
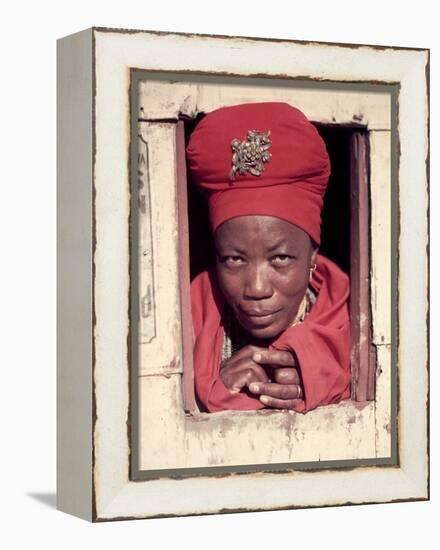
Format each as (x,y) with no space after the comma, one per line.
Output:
(49,499)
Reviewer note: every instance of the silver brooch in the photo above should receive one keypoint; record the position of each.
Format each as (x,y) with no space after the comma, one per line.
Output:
(249,155)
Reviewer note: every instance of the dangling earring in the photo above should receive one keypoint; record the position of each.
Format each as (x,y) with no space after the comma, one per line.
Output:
(312,269)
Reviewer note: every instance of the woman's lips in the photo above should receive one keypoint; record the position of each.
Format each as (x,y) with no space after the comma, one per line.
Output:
(259,317)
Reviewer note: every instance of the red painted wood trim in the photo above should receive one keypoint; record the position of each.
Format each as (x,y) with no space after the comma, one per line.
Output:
(362,360)
(189,400)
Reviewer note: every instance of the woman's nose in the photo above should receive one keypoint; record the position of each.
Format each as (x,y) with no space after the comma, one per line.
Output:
(257,285)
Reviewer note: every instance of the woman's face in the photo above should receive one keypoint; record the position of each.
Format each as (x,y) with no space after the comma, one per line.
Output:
(263,267)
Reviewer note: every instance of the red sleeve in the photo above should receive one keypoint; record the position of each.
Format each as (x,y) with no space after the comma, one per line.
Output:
(207,303)
(323,358)
(322,342)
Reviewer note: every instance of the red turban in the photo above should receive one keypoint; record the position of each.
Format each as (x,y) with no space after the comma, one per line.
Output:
(260,159)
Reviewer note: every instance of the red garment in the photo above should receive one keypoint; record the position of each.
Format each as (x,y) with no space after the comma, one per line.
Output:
(321,343)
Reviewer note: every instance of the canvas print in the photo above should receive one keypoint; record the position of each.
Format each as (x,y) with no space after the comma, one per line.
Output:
(242,267)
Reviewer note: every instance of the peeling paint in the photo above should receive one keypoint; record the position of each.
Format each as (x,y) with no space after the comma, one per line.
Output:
(246,39)
(360,405)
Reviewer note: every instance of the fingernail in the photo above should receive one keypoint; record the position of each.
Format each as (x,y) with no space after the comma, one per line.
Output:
(254,387)
(264,399)
(257,356)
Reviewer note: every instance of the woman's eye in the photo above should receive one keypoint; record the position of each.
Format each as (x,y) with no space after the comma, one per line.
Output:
(281,259)
(232,260)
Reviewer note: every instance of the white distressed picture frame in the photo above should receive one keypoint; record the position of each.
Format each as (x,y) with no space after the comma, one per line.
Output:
(94,438)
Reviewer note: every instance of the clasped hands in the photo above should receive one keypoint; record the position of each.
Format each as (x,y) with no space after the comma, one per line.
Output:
(272,375)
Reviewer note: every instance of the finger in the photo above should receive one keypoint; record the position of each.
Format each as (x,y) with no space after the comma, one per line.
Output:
(279,403)
(279,391)
(276,358)
(248,351)
(244,353)
(247,377)
(255,373)
(286,375)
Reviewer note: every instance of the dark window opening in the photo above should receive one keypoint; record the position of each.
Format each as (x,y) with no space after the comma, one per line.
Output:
(335,228)
(200,238)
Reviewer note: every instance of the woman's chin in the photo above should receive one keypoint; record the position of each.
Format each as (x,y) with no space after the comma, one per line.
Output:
(264,333)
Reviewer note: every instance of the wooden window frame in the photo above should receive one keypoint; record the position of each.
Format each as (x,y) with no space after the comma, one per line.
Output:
(363,356)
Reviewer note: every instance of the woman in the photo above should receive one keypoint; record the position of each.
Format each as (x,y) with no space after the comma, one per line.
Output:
(271,321)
